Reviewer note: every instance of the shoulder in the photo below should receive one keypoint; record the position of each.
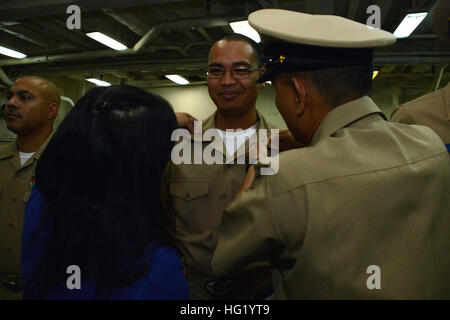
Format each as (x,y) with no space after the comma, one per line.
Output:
(426,99)
(8,150)
(401,114)
(264,124)
(354,151)
(166,274)
(425,104)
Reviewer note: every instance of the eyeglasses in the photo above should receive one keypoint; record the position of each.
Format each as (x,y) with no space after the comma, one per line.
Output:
(237,72)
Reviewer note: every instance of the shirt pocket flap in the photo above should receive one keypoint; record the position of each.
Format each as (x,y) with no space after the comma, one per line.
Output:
(189,190)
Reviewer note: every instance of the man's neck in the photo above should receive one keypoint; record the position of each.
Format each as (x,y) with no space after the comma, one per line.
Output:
(241,121)
(31,142)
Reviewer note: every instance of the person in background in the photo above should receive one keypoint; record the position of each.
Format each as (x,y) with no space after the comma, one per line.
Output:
(361,212)
(32,106)
(431,110)
(96,203)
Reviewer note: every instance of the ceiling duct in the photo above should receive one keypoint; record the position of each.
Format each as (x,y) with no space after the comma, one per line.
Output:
(186,23)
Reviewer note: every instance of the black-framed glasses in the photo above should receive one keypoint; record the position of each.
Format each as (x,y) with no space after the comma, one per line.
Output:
(236,72)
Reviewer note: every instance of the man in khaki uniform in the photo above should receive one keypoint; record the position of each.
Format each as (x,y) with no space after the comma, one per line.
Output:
(431,110)
(362,211)
(32,106)
(195,195)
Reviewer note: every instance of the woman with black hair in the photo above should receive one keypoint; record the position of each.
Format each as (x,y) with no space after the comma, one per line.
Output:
(96,203)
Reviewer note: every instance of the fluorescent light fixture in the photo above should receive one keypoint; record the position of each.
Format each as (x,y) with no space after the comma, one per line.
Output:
(99,83)
(375,73)
(409,24)
(107,41)
(244,28)
(12,53)
(268,82)
(177,79)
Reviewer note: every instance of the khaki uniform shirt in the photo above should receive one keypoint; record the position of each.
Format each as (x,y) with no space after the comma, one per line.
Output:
(194,197)
(16,182)
(366,193)
(431,110)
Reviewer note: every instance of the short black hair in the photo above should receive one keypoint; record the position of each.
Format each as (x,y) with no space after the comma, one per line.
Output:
(256,47)
(336,85)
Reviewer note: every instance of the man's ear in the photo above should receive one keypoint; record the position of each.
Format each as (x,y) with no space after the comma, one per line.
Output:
(300,95)
(260,73)
(53,109)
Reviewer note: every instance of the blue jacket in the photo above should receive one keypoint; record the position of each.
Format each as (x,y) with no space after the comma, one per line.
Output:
(164,280)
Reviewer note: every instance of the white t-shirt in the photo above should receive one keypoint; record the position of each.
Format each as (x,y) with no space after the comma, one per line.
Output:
(25,156)
(234,140)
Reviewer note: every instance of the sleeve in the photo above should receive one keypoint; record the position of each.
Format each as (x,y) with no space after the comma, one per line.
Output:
(249,230)
(32,247)
(401,114)
(167,278)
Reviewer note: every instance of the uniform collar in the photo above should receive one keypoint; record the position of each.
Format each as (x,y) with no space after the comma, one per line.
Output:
(345,114)
(210,122)
(10,150)
(218,144)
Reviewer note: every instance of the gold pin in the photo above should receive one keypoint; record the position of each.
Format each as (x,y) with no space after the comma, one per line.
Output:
(281,58)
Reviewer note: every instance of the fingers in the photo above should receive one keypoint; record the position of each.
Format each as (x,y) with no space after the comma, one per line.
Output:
(185,120)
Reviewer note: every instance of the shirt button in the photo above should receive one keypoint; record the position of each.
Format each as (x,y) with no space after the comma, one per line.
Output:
(188,196)
(10,250)
(12,225)
(224,196)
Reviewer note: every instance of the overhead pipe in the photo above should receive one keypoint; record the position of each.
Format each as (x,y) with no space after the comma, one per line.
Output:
(5,78)
(180,24)
(184,23)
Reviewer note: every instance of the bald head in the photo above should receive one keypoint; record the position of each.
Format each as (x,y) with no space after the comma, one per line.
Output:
(48,89)
(33,104)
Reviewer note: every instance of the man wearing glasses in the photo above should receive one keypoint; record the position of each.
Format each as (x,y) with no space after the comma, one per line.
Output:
(195,195)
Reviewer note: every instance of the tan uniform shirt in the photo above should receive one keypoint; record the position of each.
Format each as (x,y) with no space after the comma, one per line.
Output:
(367,192)
(431,110)
(16,182)
(194,197)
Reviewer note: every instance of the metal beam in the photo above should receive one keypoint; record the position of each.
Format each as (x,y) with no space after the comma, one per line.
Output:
(437,77)
(204,34)
(129,20)
(21,36)
(26,33)
(148,66)
(352,9)
(385,7)
(320,6)
(31,9)
(65,36)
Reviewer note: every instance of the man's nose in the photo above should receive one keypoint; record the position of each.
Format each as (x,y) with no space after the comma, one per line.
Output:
(228,78)
(10,104)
